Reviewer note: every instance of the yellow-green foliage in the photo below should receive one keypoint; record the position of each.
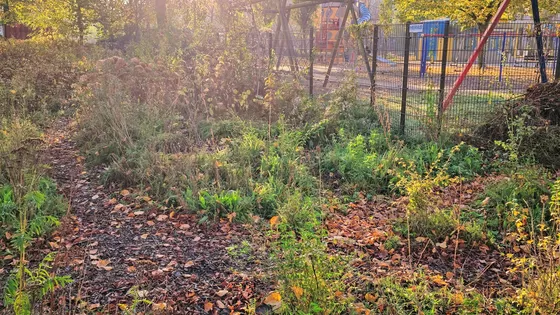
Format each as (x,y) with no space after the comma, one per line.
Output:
(538,261)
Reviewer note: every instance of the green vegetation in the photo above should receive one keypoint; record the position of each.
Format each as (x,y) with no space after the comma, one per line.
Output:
(339,212)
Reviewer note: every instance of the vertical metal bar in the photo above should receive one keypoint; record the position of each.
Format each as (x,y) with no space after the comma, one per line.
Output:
(442,76)
(311,60)
(503,57)
(374,48)
(557,71)
(337,44)
(361,47)
(538,33)
(405,79)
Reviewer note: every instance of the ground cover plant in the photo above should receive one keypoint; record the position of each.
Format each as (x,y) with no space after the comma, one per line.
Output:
(163,171)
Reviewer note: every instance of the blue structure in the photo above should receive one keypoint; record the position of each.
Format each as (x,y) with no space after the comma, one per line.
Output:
(430,43)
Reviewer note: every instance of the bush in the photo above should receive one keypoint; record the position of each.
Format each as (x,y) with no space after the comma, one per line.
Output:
(38,76)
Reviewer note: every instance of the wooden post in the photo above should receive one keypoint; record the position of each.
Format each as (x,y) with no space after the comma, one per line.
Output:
(311,60)
(442,76)
(337,43)
(402,124)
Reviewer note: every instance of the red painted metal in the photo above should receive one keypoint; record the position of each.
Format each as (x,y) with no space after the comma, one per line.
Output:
(449,98)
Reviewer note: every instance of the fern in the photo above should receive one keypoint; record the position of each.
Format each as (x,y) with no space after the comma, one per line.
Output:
(38,282)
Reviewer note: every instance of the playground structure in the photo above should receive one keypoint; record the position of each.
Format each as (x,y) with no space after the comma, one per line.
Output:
(417,65)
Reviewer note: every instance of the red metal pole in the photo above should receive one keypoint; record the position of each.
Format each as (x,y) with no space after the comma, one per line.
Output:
(476,52)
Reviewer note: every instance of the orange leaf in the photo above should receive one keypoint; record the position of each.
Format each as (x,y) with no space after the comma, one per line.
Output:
(370,297)
(208,306)
(273,299)
(274,220)
(131,269)
(297,291)
(125,192)
(222,293)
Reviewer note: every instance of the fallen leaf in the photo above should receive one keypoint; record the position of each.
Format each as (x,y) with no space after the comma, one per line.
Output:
(125,192)
(220,304)
(138,212)
(161,217)
(119,207)
(150,223)
(93,306)
(274,220)
(184,227)
(144,236)
(189,264)
(439,280)
(159,306)
(485,201)
(131,269)
(298,292)
(104,264)
(196,239)
(449,275)
(273,299)
(222,293)
(370,297)
(208,306)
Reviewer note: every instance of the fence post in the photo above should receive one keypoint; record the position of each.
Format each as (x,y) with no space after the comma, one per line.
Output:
(311,60)
(445,49)
(374,49)
(557,71)
(405,79)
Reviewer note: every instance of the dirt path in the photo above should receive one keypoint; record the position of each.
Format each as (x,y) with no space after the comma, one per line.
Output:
(114,240)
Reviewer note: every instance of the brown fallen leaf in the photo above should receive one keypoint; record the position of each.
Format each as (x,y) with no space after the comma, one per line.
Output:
(159,306)
(220,304)
(144,236)
(104,264)
(208,306)
(161,217)
(150,223)
(125,192)
(131,269)
(189,264)
(221,293)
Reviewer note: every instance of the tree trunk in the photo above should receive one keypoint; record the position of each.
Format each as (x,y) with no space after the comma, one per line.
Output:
(482,56)
(80,21)
(161,13)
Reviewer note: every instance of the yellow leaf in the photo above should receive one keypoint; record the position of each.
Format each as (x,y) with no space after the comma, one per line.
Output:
(439,280)
(125,192)
(208,306)
(458,298)
(297,291)
(273,299)
(274,220)
(370,297)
